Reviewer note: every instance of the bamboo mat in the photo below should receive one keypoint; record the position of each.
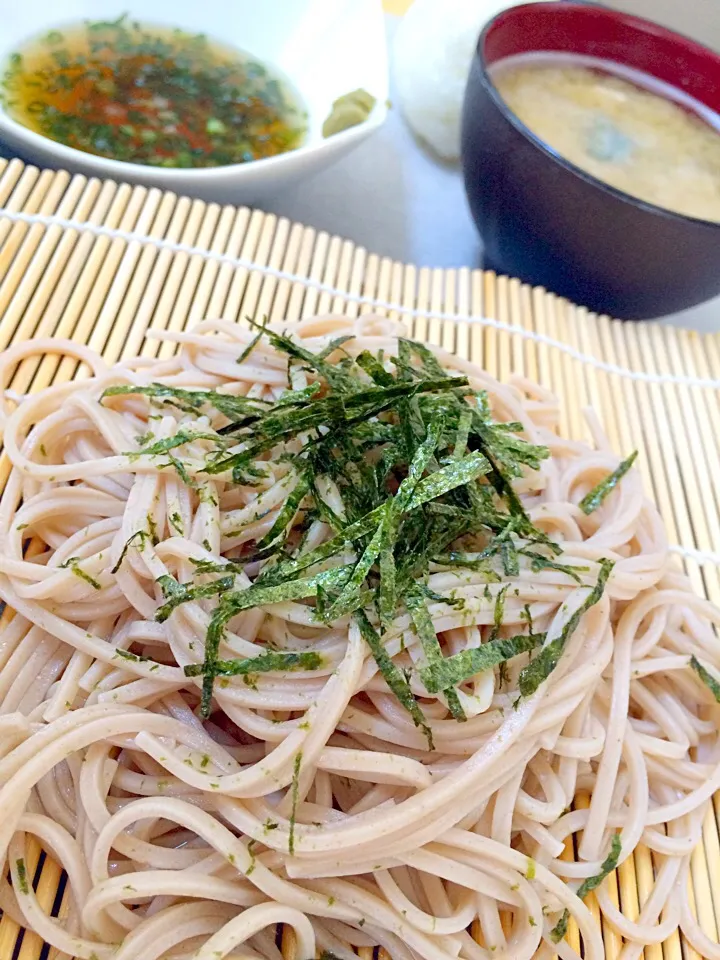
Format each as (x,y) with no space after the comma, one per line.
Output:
(102,263)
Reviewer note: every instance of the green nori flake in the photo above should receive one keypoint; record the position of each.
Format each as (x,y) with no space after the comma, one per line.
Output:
(347,536)
(132,657)
(181,471)
(608,865)
(22,876)
(176,521)
(499,610)
(479,564)
(508,555)
(560,929)
(73,564)
(429,362)
(424,628)
(251,850)
(191,401)
(587,886)
(152,528)
(335,344)
(592,500)
(335,412)
(707,678)
(334,375)
(295,787)
(253,343)
(178,439)
(539,562)
(542,666)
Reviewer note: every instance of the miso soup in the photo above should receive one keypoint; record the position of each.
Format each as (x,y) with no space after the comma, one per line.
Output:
(628,129)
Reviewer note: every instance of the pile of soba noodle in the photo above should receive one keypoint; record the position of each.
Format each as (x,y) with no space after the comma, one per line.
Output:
(309,805)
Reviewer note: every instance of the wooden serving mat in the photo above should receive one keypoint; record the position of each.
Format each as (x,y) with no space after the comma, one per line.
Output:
(102,263)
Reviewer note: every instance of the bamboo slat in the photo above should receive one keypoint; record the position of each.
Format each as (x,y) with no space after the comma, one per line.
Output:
(106,263)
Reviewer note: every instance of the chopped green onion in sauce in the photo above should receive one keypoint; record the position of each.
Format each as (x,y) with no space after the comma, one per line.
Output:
(151,95)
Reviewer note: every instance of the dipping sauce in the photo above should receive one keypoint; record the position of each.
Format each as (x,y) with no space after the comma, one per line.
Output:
(151,95)
(624,127)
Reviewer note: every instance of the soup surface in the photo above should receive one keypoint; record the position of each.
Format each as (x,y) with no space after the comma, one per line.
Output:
(624,130)
(151,95)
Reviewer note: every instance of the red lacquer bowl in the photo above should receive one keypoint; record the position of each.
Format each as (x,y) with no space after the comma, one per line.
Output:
(545,220)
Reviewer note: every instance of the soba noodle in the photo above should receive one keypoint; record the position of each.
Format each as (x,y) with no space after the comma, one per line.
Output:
(309,801)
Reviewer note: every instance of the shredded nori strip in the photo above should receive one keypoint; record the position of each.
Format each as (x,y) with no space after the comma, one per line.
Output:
(592,500)
(138,535)
(587,886)
(330,548)
(539,562)
(176,593)
(425,630)
(235,602)
(178,439)
(374,369)
(351,595)
(287,514)
(273,660)
(392,674)
(543,665)
(211,566)
(417,467)
(331,412)
(451,671)
(478,564)
(253,343)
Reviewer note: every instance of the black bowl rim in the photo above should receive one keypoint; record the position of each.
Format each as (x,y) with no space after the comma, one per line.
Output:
(545,148)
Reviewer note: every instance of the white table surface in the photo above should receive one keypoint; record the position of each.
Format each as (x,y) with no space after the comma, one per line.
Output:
(393,198)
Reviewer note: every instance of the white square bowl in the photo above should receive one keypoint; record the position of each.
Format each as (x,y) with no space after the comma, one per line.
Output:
(326,48)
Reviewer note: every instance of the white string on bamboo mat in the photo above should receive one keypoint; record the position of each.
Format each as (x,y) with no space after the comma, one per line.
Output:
(691,553)
(223,258)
